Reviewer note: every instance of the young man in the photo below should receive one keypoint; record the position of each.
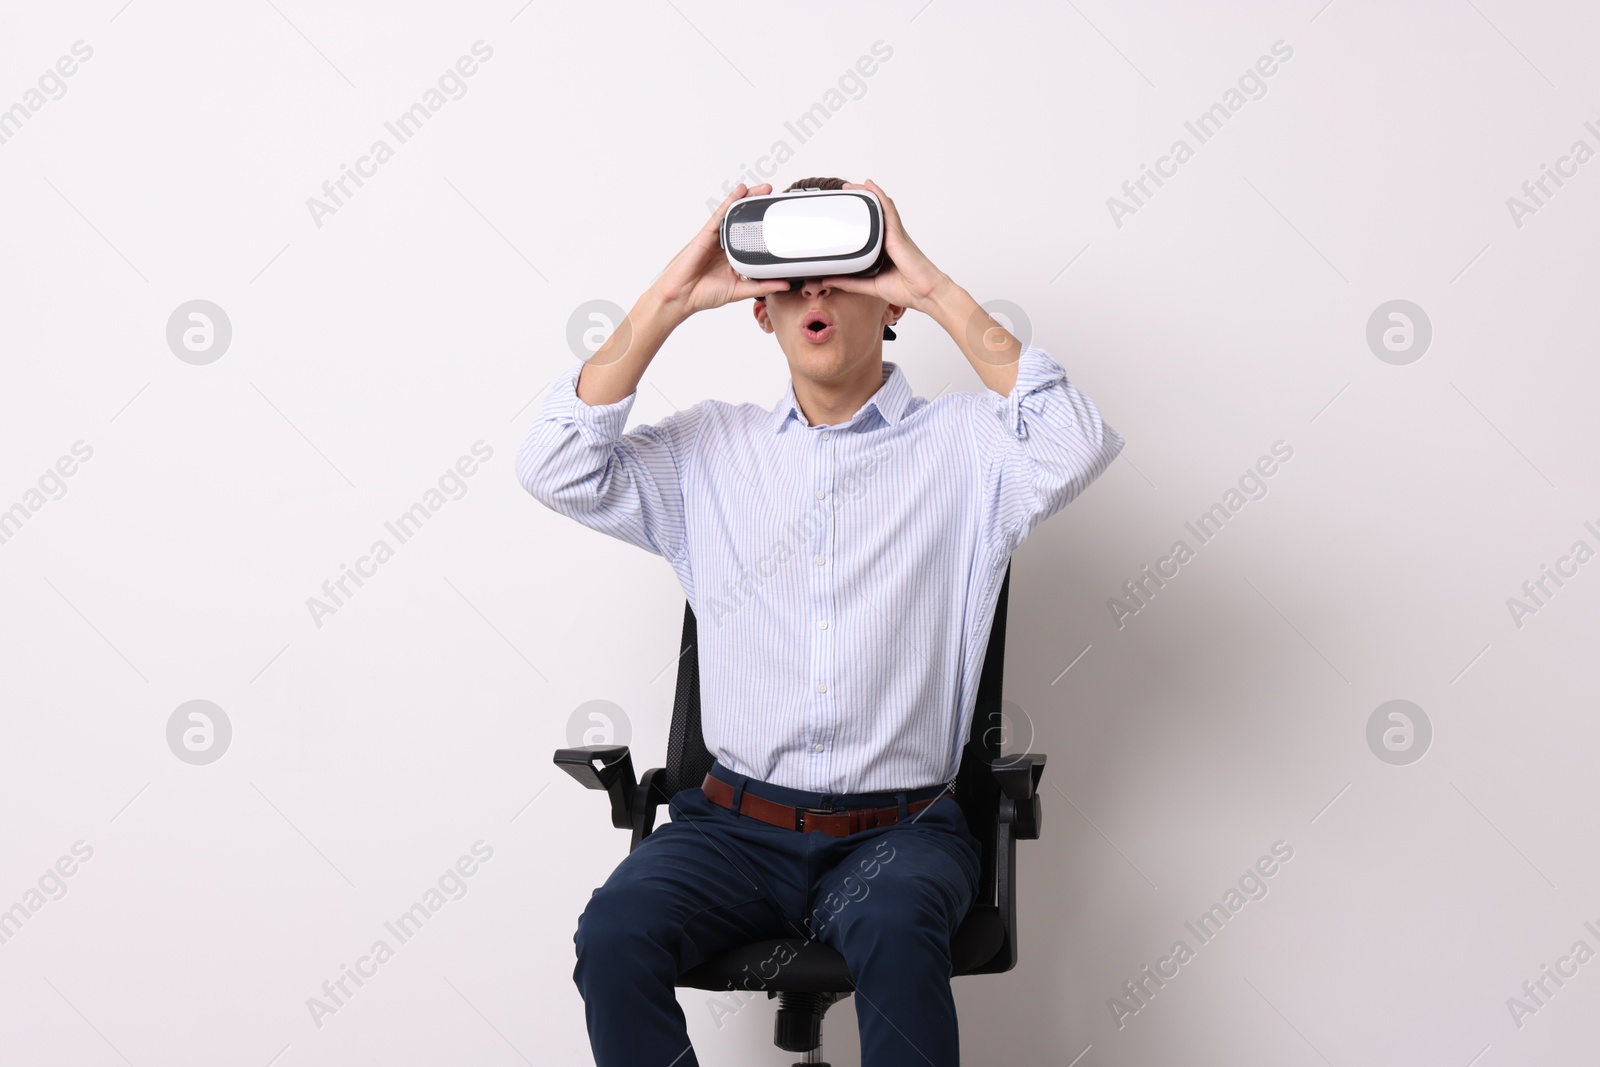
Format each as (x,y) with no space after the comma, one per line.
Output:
(843,553)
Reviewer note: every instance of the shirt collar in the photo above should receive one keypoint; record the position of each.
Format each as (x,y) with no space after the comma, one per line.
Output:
(890,401)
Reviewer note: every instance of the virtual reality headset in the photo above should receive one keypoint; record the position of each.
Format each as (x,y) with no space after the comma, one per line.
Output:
(807,233)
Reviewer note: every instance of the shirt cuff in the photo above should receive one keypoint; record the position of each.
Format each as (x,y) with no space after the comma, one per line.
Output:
(597,423)
(1035,371)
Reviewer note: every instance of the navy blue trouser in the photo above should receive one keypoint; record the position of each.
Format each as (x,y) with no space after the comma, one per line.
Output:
(888,899)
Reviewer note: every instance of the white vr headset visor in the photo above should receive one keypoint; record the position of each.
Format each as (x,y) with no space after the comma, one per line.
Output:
(807,233)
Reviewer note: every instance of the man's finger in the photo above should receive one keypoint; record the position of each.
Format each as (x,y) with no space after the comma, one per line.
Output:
(746,287)
(847,284)
(715,221)
(883,198)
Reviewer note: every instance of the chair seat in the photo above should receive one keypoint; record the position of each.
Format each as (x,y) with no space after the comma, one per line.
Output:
(816,968)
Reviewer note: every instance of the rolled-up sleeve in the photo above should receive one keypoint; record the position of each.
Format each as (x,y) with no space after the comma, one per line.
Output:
(1039,447)
(577,461)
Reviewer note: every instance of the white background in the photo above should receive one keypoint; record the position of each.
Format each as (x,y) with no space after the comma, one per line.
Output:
(430,312)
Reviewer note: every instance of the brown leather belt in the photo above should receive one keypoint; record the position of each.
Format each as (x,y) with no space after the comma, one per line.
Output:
(841,823)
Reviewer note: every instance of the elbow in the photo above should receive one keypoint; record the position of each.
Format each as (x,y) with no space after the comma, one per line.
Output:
(1059,481)
(558,472)
(563,494)
(540,488)
(539,474)
(1111,442)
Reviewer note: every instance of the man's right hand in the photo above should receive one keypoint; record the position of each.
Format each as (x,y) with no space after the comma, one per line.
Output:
(699,277)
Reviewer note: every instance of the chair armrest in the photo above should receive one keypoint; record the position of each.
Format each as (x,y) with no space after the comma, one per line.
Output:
(646,799)
(1018,774)
(608,767)
(1018,777)
(1019,818)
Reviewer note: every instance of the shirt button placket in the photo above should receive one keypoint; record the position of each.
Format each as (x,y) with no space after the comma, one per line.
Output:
(821,604)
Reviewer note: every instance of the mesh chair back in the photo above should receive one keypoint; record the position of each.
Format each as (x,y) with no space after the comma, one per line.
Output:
(688,761)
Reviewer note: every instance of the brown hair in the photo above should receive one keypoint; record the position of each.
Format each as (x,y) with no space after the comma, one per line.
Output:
(816,183)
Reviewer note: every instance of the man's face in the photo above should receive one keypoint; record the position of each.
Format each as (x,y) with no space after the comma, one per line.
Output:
(826,333)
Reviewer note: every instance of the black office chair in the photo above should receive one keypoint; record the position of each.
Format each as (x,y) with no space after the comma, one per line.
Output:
(999,795)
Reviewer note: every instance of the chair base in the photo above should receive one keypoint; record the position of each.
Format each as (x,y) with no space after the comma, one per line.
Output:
(798,1024)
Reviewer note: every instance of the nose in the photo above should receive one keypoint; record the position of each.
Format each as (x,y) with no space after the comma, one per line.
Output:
(813,287)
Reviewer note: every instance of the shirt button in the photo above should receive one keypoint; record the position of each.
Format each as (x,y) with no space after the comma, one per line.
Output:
(822,624)
(816,748)
(819,561)
(825,434)
(821,494)
(822,688)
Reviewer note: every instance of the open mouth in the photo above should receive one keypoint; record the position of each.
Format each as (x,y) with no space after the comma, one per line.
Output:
(817,326)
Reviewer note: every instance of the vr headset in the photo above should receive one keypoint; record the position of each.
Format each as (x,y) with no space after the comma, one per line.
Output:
(806,233)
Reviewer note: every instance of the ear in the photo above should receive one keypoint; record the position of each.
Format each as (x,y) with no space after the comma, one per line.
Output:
(892,313)
(759,307)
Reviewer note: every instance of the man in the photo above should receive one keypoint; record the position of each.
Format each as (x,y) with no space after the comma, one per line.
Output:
(843,553)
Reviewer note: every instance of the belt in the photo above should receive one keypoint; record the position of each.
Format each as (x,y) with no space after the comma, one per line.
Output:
(839,823)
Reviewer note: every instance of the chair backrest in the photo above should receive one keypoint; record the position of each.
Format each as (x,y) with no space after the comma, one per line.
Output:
(976,790)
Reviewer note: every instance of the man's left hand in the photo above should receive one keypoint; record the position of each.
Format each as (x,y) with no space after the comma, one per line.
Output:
(911,280)
(914,282)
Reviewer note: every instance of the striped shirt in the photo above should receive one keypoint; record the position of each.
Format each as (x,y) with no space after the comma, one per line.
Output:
(844,577)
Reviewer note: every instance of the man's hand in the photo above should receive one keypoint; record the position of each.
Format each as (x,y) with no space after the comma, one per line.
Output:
(699,277)
(914,282)
(911,280)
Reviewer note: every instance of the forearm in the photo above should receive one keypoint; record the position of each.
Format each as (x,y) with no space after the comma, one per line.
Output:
(614,371)
(988,346)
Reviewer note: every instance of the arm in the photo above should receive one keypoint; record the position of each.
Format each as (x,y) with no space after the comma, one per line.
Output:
(1040,445)
(914,282)
(613,372)
(697,279)
(576,459)
(1040,440)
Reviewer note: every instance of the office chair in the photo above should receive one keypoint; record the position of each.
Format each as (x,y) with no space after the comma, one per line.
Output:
(999,795)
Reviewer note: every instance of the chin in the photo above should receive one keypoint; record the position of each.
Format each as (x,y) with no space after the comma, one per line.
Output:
(823,361)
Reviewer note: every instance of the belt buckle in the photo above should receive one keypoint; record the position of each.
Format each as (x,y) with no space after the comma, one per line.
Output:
(801,814)
(827,809)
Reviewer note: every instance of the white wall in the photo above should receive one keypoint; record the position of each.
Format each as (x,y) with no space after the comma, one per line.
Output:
(429,312)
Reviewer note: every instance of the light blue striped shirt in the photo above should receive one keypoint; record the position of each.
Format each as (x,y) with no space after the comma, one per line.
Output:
(844,577)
